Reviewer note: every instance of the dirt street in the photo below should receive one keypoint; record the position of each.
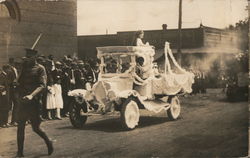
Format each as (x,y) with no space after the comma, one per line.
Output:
(208,127)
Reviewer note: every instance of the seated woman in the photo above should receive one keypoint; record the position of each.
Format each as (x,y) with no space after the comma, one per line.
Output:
(139,67)
(138,39)
(138,75)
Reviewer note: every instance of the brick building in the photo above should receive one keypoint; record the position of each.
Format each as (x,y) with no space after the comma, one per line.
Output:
(87,44)
(21,21)
(249,60)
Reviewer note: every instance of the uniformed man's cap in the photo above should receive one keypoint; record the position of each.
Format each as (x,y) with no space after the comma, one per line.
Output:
(31,53)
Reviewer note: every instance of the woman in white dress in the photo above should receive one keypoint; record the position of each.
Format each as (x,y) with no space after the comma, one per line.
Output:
(58,99)
(54,95)
(138,39)
(54,100)
(50,101)
(57,76)
(50,104)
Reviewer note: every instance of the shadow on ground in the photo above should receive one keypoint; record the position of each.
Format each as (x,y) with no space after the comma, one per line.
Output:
(41,155)
(114,124)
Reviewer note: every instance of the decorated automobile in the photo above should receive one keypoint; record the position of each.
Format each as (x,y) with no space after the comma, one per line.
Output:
(129,81)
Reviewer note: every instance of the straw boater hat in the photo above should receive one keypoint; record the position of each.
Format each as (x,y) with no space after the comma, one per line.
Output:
(58,63)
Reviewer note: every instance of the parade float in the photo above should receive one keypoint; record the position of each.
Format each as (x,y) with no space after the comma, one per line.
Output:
(126,86)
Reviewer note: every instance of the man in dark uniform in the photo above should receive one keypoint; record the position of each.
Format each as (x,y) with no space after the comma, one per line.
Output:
(32,82)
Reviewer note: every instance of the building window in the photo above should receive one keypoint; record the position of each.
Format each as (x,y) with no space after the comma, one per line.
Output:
(9,9)
(4,12)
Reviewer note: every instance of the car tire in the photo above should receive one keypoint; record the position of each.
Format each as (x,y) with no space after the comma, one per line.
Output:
(174,111)
(130,114)
(76,119)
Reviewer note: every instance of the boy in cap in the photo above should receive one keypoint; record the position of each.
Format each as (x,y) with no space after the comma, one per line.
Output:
(31,83)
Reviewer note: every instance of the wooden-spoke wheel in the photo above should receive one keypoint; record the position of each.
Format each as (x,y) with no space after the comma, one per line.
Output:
(130,114)
(75,115)
(175,108)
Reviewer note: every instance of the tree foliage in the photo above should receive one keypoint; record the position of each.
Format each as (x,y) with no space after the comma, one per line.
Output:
(240,61)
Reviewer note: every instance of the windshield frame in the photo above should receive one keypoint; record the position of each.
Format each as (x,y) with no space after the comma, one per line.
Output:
(103,64)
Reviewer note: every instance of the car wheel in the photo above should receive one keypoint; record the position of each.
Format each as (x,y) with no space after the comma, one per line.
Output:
(130,114)
(175,108)
(75,114)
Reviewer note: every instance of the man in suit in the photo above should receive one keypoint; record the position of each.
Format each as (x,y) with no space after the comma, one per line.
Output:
(79,76)
(32,82)
(12,79)
(4,97)
(66,87)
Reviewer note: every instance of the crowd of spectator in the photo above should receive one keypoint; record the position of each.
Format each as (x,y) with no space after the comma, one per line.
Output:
(200,82)
(62,76)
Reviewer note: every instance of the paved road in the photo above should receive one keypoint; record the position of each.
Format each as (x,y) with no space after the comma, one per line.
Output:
(208,127)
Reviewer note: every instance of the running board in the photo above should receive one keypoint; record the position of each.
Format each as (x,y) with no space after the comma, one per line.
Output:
(98,114)
(156,105)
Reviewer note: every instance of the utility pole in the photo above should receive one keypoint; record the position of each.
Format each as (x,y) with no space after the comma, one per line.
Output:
(179,33)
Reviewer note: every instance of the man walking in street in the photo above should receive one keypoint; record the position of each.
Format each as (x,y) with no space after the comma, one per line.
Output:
(32,82)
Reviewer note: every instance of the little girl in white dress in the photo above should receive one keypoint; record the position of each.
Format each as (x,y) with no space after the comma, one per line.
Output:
(58,99)
(50,104)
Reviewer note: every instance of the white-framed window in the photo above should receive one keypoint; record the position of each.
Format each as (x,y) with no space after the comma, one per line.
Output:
(4,12)
(9,9)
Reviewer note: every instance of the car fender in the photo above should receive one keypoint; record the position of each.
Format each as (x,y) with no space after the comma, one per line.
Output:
(132,94)
(81,93)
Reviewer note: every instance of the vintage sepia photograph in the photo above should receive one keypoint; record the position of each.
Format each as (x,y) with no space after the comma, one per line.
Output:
(124,78)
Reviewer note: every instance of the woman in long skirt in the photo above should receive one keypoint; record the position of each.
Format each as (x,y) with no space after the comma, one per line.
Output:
(58,99)
(51,102)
